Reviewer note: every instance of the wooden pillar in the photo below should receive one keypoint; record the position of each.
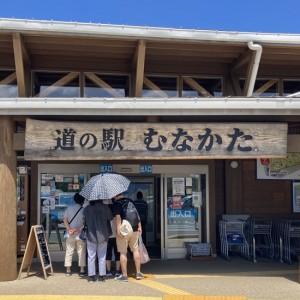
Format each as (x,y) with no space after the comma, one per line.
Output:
(8,219)
(212,204)
(234,187)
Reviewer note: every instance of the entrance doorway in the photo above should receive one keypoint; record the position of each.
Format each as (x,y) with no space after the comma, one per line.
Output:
(148,186)
(186,212)
(177,197)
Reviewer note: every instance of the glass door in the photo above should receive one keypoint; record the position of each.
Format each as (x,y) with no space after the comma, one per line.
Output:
(185,212)
(147,186)
(56,193)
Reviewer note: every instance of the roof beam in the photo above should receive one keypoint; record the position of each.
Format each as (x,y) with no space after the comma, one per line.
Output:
(66,79)
(243,59)
(154,87)
(20,56)
(139,65)
(8,80)
(102,84)
(248,75)
(235,84)
(197,87)
(265,87)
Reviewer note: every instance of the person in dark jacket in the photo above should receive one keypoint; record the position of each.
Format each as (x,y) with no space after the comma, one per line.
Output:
(142,208)
(97,217)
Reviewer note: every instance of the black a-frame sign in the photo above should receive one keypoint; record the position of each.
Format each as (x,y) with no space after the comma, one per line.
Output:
(37,239)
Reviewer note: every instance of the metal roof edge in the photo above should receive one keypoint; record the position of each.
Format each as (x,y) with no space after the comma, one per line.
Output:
(151,106)
(140,32)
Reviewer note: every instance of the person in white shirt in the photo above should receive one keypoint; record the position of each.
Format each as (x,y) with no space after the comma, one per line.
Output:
(74,221)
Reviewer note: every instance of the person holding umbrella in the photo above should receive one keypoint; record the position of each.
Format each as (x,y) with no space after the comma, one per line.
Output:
(99,190)
(97,217)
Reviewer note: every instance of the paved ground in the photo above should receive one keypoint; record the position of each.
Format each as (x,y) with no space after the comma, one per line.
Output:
(264,280)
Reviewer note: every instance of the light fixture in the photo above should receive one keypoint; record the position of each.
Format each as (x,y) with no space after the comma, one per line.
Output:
(234,164)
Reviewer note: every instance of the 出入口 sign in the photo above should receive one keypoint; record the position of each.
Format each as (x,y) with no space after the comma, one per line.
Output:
(50,140)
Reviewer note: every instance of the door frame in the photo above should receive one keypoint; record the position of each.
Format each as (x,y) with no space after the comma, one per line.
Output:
(134,170)
(180,252)
(148,179)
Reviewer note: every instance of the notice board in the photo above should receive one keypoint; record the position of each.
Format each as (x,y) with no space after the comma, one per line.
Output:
(37,240)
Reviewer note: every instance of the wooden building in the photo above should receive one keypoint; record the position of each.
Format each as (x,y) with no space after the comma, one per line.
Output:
(189,116)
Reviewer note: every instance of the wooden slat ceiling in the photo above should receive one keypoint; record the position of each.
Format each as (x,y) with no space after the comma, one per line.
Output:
(117,55)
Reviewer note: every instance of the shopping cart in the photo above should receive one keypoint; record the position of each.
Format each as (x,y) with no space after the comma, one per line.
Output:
(233,239)
(259,232)
(286,234)
(291,240)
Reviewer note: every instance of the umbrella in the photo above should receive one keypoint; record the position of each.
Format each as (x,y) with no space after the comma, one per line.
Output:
(105,186)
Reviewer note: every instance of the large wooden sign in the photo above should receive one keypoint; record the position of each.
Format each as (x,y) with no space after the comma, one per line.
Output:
(36,240)
(49,140)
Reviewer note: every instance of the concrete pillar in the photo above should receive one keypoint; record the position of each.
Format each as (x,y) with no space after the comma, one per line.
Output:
(8,219)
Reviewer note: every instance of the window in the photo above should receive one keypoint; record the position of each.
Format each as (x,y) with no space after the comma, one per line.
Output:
(201,87)
(155,86)
(291,87)
(106,85)
(264,87)
(48,84)
(8,84)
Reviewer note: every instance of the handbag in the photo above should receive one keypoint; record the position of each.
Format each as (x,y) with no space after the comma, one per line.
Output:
(83,233)
(143,251)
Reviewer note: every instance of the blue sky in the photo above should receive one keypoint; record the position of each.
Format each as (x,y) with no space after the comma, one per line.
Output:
(276,16)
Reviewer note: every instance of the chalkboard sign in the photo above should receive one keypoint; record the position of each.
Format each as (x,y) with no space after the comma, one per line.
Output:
(43,246)
(37,239)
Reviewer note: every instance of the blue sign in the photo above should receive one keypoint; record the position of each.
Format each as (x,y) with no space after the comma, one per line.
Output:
(106,168)
(182,213)
(146,169)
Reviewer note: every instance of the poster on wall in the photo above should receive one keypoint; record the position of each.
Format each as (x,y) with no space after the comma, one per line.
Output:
(197,199)
(296,197)
(279,168)
(176,202)
(178,186)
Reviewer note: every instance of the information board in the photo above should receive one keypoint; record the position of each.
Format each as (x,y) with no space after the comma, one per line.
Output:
(37,240)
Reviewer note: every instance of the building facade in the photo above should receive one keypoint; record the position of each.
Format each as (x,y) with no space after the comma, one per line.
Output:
(197,120)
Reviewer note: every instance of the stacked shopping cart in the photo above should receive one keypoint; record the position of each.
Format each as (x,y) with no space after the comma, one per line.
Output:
(233,239)
(286,234)
(259,232)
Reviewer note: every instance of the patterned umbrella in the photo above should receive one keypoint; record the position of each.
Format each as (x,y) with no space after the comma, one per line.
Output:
(105,186)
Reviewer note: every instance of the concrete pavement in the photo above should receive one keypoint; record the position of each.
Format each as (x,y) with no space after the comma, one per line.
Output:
(264,280)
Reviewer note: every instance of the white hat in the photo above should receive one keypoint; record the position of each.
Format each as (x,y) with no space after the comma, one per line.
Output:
(126,228)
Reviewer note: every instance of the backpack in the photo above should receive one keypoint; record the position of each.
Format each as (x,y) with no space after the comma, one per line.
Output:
(130,213)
